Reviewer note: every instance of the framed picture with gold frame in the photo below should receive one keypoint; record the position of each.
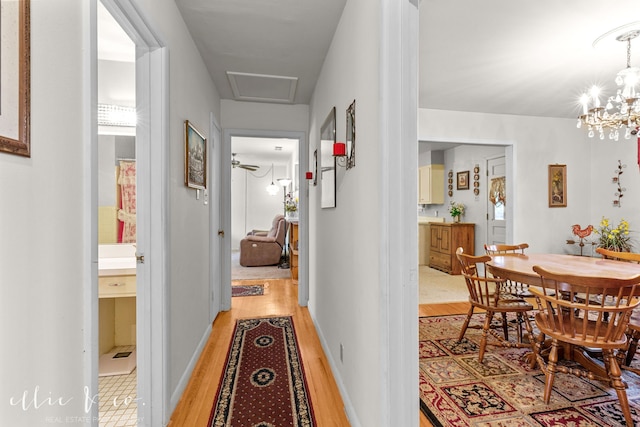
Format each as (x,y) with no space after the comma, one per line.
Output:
(463,180)
(15,133)
(195,157)
(557,186)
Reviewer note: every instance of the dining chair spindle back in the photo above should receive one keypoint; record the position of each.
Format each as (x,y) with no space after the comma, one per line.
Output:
(516,288)
(574,323)
(633,328)
(486,293)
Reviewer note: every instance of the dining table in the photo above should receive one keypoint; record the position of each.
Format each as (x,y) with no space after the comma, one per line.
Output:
(519,268)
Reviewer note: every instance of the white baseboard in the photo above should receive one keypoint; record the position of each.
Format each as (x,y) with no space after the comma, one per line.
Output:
(186,375)
(348,407)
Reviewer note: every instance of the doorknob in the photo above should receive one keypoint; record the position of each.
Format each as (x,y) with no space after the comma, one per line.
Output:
(221,233)
(140,258)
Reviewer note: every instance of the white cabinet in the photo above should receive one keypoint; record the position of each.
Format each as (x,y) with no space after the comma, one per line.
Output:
(431,185)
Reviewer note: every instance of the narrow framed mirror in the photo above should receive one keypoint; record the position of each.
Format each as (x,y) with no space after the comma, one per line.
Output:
(315,167)
(351,135)
(328,162)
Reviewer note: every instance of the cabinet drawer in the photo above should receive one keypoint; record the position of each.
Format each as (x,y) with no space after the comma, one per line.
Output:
(440,261)
(116,286)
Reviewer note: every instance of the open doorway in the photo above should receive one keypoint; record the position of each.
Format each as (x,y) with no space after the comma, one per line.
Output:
(264,188)
(294,171)
(117,224)
(435,284)
(146,256)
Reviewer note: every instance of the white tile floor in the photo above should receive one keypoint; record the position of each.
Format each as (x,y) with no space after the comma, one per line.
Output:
(118,393)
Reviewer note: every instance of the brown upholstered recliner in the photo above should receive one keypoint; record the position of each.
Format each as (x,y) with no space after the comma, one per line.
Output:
(258,249)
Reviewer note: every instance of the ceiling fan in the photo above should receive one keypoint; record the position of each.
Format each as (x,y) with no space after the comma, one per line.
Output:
(236,164)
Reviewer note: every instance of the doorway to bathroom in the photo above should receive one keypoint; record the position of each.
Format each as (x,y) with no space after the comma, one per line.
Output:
(117,224)
(133,157)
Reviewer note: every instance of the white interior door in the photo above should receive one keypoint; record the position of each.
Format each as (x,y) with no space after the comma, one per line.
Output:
(215,215)
(496,212)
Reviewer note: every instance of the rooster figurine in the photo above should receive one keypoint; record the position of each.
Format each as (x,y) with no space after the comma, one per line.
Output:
(582,233)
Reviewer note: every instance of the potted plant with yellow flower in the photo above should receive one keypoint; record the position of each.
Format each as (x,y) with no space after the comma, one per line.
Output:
(614,238)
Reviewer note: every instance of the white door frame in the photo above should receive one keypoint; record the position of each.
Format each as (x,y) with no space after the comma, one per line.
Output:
(398,171)
(152,235)
(303,231)
(216,241)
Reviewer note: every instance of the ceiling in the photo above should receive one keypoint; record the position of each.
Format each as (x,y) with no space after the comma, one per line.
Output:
(530,58)
(277,38)
(496,56)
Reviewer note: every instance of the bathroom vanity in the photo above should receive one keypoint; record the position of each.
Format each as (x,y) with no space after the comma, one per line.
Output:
(117,295)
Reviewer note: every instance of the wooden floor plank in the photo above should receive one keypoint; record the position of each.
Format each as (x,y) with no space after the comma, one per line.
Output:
(280,299)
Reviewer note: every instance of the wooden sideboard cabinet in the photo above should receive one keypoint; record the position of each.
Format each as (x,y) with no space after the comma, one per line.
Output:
(445,239)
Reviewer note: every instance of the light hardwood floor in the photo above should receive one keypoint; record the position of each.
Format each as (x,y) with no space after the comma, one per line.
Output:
(280,298)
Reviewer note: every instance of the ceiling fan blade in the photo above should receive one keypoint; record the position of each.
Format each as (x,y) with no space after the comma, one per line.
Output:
(252,168)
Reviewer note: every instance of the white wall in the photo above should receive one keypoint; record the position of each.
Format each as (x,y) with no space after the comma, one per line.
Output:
(192,96)
(464,158)
(538,142)
(604,162)
(42,257)
(41,231)
(116,83)
(262,116)
(344,242)
(251,206)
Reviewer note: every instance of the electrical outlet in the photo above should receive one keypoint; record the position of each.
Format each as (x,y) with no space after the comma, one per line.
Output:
(341,353)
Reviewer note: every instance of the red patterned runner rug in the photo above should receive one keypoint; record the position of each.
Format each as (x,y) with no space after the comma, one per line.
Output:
(247,290)
(263,383)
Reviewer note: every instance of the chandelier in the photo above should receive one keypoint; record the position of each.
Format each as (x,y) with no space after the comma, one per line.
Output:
(621,112)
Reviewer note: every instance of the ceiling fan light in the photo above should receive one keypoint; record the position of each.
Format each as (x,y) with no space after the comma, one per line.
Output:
(272,189)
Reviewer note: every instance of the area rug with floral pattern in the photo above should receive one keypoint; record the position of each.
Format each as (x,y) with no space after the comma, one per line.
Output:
(247,290)
(263,383)
(456,390)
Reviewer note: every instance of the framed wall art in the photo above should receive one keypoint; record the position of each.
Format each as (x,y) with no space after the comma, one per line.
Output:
(351,135)
(463,180)
(15,69)
(195,157)
(557,186)
(315,167)
(328,161)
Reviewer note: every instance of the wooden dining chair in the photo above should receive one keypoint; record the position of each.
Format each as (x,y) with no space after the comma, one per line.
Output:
(577,324)
(505,249)
(518,289)
(486,293)
(633,329)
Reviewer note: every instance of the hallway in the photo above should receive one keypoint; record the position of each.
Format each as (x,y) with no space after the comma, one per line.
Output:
(280,299)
